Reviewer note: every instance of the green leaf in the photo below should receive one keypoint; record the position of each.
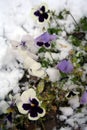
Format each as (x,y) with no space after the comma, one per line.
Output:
(75,41)
(45,63)
(54,30)
(40,86)
(42,49)
(83,23)
(60,16)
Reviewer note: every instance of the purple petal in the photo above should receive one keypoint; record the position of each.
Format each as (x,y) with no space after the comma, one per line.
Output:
(33,112)
(37,13)
(45,15)
(65,66)
(35,102)
(23,43)
(26,106)
(47,44)
(45,37)
(39,110)
(40,43)
(83,99)
(41,18)
(42,8)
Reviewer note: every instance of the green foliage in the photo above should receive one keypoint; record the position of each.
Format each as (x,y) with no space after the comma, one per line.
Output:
(75,41)
(83,59)
(45,63)
(83,23)
(40,86)
(54,30)
(42,49)
(60,16)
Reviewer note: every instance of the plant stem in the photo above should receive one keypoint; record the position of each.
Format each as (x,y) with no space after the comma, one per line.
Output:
(43,127)
(74,20)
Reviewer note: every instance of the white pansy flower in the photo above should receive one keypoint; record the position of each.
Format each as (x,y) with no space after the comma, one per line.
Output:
(29,60)
(64,47)
(29,104)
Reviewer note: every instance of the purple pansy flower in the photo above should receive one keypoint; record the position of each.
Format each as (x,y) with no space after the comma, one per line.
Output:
(44,39)
(65,66)
(83,99)
(41,14)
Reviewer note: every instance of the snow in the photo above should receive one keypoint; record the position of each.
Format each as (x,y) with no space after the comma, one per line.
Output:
(74,102)
(15,22)
(67,111)
(3,107)
(65,128)
(63,46)
(53,74)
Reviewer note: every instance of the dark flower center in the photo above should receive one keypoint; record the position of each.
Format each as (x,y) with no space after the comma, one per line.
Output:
(23,43)
(45,44)
(41,14)
(71,93)
(33,107)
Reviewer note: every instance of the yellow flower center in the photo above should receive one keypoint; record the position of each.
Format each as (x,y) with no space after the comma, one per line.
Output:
(32,104)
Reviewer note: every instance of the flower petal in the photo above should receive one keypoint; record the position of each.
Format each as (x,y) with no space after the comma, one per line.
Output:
(28,94)
(42,8)
(41,18)
(47,44)
(35,102)
(26,106)
(38,73)
(39,110)
(43,113)
(83,99)
(20,108)
(65,66)
(37,13)
(45,37)
(45,15)
(32,115)
(33,118)
(40,43)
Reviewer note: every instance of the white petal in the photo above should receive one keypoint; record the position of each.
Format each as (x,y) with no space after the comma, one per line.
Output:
(39,115)
(38,73)
(20,108)
(33,118)
(43,114)
(30,93)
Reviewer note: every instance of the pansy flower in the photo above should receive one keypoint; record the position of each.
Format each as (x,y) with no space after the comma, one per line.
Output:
(41,13)
(83,99)
(44,39)
(65,66)
(29,104)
